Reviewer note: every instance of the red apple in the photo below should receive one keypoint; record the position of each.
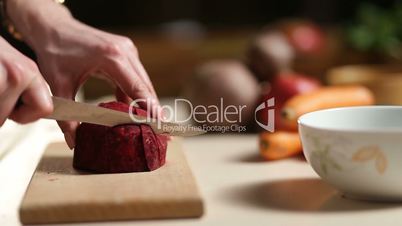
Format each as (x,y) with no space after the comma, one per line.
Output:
(285,86)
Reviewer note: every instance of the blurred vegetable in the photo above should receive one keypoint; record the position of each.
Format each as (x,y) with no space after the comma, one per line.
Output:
(226,79)
(285,86)
(286,44)
(279,145)
(384,80)
(305,36)
(269,53)
(377,30)
(288,84)
(323,98)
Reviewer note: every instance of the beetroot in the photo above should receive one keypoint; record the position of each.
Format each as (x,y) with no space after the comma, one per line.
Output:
(119,149)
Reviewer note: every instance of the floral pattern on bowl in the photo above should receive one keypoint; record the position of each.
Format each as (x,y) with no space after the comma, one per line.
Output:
(371,153)
(356,149)
(323,154)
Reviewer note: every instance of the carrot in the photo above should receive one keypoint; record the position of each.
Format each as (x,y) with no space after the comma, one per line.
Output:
(323,98)
(279,145)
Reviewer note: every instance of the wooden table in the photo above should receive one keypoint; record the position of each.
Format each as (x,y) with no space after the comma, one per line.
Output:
(238,188)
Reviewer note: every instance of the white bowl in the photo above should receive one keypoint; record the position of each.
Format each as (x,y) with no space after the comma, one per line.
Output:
(356,149)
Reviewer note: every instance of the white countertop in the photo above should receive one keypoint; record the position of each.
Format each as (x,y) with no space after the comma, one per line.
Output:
(238,188)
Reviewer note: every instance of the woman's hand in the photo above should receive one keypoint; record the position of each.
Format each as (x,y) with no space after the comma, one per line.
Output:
(68,52)
(78,51)
(20,78)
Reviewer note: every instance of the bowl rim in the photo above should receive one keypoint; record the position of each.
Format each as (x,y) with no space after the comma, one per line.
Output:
(301,123)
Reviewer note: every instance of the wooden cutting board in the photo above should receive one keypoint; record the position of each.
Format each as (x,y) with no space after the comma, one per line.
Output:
(59,194)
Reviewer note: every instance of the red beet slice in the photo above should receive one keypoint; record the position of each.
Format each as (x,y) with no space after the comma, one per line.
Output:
(151,148)
(119,149)
(162,146)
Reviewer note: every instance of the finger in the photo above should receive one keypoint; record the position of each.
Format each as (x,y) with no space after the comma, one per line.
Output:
(131,84)
(7,104)
(11,87)
(139,68)
(36,102)
(3,79)
(67,127)
(121,96)
(8,99)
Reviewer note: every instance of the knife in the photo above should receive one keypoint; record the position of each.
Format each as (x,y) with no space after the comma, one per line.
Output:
(68,110)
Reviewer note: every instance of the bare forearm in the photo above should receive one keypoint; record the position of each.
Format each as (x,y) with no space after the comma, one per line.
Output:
(36,19)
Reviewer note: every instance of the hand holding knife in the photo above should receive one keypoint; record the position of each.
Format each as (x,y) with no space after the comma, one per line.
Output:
(68,110)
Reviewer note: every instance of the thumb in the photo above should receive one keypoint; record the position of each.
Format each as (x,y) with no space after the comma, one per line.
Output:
(67,127)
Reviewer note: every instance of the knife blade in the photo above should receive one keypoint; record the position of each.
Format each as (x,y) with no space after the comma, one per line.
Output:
(68,110)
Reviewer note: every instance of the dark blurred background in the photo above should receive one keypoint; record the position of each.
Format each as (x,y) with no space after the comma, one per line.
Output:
(224,13)
(175,37)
